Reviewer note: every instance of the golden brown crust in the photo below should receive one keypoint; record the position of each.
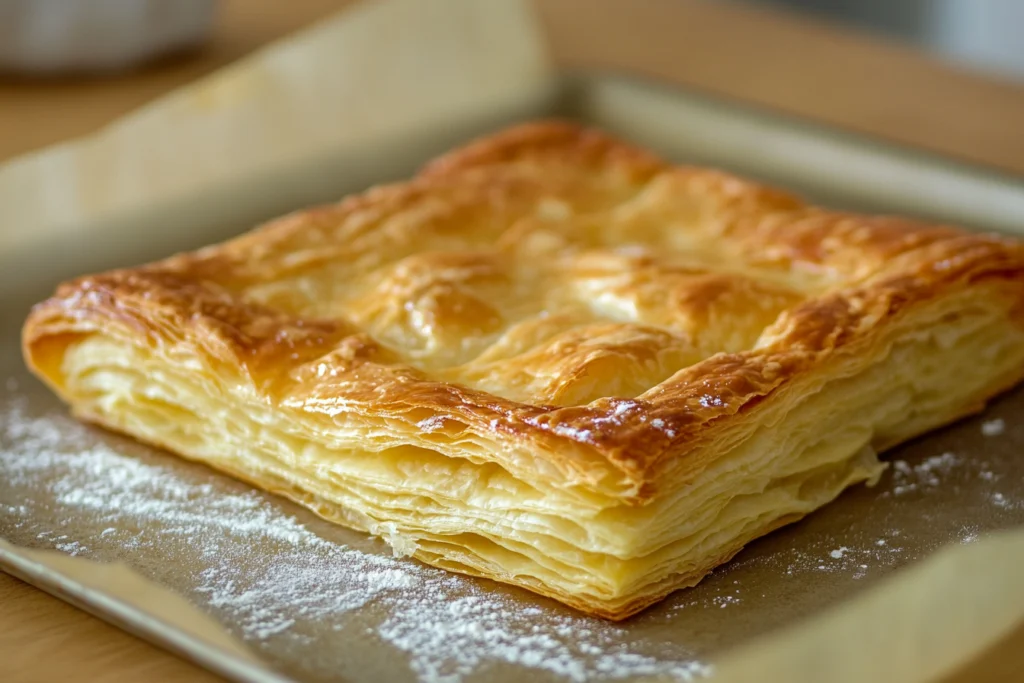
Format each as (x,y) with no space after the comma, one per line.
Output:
(549,288)
(872,267)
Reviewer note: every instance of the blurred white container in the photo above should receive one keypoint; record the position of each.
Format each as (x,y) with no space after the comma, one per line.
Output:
(75,36)
(987,33)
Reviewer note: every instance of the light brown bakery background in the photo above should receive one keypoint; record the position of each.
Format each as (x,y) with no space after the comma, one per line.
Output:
(943,75)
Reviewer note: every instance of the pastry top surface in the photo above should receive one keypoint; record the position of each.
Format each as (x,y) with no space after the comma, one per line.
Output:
(547,286)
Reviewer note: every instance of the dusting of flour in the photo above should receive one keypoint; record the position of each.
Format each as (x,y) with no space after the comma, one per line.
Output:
(319,603)
(926,474)
(271,577)
(994,427)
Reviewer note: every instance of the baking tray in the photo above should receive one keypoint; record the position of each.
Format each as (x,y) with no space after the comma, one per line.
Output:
(315,602)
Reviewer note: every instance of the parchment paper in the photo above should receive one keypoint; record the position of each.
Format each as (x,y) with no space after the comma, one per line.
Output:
(822,600)
(234,142)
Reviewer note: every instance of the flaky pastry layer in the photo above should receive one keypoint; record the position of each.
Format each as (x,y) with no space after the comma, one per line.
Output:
(550,359)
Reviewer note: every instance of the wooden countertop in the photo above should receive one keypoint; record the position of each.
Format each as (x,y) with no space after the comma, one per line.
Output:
(772,59)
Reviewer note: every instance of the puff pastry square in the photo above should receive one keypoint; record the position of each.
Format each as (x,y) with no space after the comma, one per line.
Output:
(550,359)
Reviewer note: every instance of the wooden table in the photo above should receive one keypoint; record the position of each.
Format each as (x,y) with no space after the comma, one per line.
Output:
(771,59)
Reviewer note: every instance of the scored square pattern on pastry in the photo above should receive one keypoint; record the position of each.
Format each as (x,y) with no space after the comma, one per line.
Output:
(547,359)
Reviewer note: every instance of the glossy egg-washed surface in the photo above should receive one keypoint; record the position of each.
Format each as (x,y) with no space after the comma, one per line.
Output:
(550,359)
(517,284)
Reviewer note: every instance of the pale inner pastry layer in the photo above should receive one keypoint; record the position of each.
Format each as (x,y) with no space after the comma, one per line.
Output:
(478,518)
(550,359)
